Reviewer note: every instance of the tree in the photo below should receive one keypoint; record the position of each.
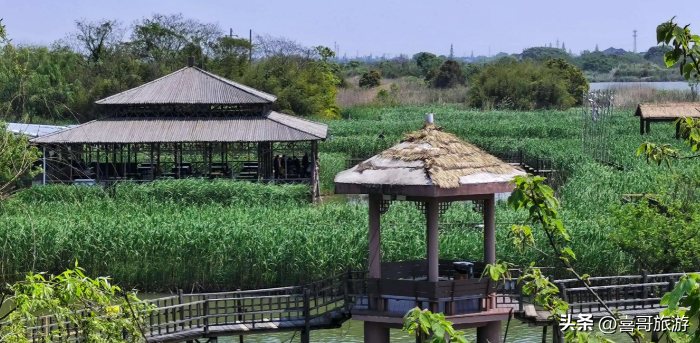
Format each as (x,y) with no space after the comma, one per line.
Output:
(371,79)
(92,309)
(655,54)
(577,82)
(17,161)
(540,54)
(426,61)
(94,38)
(449,75)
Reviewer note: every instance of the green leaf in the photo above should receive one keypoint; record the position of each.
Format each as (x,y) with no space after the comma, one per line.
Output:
(569,252)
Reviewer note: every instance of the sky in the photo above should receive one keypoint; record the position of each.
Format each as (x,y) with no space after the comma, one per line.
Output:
(381,26)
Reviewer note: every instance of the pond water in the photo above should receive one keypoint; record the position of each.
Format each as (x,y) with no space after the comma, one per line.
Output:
(657,85)
(352,332)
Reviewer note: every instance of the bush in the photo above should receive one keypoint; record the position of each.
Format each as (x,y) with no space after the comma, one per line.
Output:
(371,79)
(578,85)
(449,75)
(520,86)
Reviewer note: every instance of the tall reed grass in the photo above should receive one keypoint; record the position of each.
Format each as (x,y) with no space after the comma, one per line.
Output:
(407,91)
(226,235)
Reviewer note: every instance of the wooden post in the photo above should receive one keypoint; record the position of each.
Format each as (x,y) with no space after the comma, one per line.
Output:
(153,170)
(314,170)
(645,292)
(432,220)
(307,321)
(648,125)
(562,291)
(206,317)
(490,236)
(376,333)
(678,130)
(182,308)
(375,261)
(641,125)
(544,333)
(521,301)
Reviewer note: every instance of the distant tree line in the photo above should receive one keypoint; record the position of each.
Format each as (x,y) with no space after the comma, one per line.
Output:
(101,58)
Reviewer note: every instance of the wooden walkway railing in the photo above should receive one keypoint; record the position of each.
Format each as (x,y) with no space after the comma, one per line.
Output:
(632,295)
(328,303)
(187,317)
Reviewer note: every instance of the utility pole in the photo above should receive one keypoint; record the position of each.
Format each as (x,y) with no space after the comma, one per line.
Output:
(557,43)
(250,40)
(635,40)
(452,55)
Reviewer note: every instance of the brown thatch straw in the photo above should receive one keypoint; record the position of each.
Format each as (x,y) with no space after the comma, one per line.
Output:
(669,110)
(446,158)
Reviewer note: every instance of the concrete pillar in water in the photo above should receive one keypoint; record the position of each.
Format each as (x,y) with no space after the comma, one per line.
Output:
(376,333)
(489,333)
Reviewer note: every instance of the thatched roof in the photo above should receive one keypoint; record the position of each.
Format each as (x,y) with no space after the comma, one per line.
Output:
(671,110)
(428,157)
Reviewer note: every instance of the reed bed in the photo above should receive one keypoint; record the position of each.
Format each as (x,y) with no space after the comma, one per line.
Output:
(201,235)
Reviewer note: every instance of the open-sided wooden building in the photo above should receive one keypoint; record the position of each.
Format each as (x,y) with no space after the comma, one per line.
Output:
(432,168)
(665,112)
(190,123)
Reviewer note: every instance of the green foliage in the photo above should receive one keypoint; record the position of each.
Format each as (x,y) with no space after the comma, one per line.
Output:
(111,313)
(62,82)
(655,54)
(544,53)
(17,160)
(303,86)
(577,83)
(521,86)
(448,75)
(431,327)
(371,79)
(426,61)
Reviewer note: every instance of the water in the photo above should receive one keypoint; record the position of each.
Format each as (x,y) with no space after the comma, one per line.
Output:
(657,85)
(352,332)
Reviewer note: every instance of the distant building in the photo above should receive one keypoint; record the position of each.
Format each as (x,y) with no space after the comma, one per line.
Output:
(613,51)
(34,130)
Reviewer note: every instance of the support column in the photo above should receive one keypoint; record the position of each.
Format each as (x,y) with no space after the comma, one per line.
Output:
(375,261)
(376,333)
(431,215)
(491,332)
(678,130)
(641,125)
(648,125)
(43,155)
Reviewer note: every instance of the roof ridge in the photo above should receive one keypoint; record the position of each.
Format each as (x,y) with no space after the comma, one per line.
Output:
(143,85)
(247,89)
(267,116)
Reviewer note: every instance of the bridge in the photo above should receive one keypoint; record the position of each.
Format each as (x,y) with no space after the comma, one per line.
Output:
(327,304)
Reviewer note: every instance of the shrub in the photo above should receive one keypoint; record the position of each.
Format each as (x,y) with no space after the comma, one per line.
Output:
(520,86)
(371,79)
(578,85)
(449,75)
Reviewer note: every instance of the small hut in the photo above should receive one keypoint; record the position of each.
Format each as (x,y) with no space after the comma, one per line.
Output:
(665,112)
(432,168)
(190,123)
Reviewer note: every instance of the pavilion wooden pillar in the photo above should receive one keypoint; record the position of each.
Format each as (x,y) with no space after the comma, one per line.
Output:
(316,191)
(432,219)
(641,125)
(375,332)
(678,130)
(648,126)
(491,332)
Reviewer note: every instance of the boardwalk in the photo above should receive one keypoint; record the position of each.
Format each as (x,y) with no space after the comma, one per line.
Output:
(328,303)
(631,295)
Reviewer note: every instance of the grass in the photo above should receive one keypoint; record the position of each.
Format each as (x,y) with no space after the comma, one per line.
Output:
(226,235)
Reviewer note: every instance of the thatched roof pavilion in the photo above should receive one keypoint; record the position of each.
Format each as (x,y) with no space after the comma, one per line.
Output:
(432,168)
(665,112)
(190,123)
